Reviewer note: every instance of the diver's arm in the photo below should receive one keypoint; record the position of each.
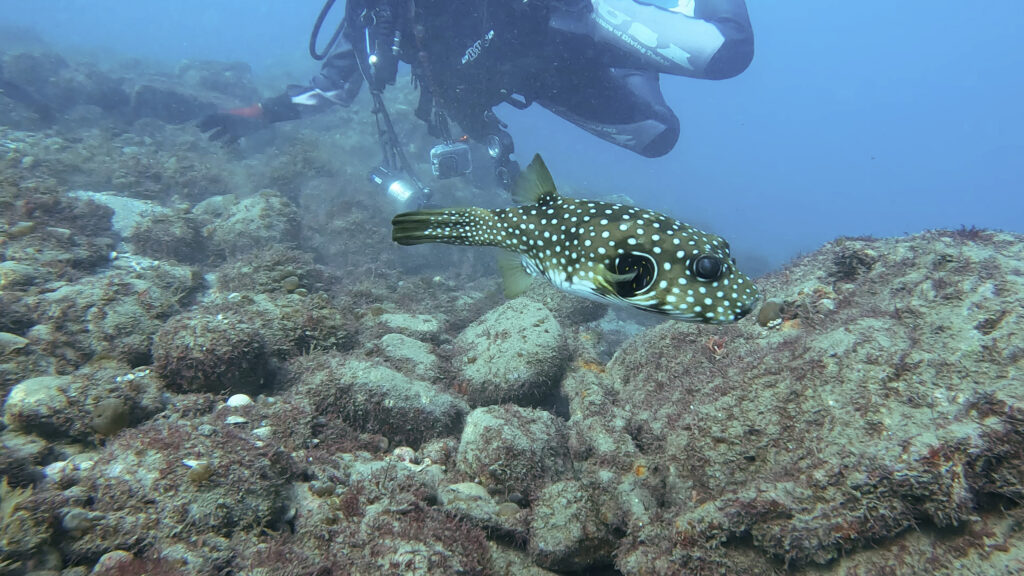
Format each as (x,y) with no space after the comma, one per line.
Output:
(337,84)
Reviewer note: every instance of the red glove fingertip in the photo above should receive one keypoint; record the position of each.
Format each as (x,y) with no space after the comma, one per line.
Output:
(254,111)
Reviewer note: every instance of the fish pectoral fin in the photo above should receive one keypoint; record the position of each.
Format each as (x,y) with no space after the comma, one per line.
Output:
(607,280)
(514,277)
(616,278)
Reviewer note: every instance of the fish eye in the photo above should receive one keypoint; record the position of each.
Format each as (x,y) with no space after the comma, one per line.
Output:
(645,271)
(707,268)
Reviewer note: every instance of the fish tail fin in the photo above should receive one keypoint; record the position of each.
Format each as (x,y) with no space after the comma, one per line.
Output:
(467,226)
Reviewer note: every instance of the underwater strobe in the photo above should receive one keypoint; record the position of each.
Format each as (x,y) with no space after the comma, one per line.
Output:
(398,186)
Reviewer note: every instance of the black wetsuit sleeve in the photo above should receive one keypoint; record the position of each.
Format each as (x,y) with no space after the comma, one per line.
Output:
(338,82)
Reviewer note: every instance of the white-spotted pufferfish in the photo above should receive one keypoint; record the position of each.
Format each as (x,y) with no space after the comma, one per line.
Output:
(603,251)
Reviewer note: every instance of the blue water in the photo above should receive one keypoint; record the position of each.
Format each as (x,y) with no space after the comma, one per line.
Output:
(879,118)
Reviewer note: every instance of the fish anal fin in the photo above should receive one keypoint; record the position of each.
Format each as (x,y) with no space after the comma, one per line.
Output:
(514,277)
(535,185)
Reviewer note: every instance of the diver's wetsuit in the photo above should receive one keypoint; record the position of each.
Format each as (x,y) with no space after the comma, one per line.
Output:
(592,62)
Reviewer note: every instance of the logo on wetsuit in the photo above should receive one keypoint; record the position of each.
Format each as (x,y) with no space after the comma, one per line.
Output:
(473,51)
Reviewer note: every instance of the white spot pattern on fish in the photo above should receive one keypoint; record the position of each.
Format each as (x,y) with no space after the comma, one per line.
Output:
(599,250)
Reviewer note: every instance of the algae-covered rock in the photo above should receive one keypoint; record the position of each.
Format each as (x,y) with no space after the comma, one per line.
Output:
(260,222)
(518,449)
(71,236)
(21,455)
(474,503)
(113,562)
(508,560)
(110,416)
(419,326)
(291,325)
(566,531)
(144,489)
(126,212)
(15,275)
(24,527)
(116,313)
(374,398)
(569,310)
(39,406)
(516,353)
(101,398)
(203,352)
(11,342)
(272,271)
(409,356)
(166,235)
(888,398)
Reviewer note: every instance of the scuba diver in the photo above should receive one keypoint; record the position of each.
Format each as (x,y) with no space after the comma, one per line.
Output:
(594,63)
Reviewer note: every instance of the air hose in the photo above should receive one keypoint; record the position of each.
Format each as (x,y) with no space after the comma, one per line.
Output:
(315,34)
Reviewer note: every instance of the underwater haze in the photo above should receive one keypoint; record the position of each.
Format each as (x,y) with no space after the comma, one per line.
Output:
(871,118)
(225,350)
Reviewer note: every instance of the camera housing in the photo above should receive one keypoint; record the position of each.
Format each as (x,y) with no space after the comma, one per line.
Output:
(450,160)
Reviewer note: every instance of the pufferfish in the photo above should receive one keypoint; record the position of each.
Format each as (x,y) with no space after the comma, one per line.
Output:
(599,250)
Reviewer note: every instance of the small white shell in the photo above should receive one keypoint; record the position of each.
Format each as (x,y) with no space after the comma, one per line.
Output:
(239,400)
(235,419)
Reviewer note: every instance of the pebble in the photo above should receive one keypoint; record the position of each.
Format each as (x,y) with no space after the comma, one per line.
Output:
(201,472)
(10,342)
(290,283)
(21,229)
(404,454)
(113,562)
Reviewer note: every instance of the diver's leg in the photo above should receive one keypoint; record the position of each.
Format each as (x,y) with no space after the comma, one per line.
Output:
(622,106)
(697,38)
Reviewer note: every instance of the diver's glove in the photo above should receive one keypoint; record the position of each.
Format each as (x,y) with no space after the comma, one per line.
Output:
(231,126)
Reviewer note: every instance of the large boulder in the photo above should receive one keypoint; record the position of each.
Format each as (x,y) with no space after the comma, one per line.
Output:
(515,353)
(376,399)
(883,403)
(513,449)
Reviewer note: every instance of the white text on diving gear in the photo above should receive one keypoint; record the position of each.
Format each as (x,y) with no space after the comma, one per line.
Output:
(473,51)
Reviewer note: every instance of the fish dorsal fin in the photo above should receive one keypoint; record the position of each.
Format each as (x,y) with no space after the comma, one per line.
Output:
(515,278)
(534,185)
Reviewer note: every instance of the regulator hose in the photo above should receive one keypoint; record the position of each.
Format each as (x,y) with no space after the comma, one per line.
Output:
(315,34)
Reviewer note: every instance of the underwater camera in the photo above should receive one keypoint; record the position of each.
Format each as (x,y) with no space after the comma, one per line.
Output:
(450,159)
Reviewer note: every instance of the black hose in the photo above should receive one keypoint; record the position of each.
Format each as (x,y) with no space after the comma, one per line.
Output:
(315,34)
